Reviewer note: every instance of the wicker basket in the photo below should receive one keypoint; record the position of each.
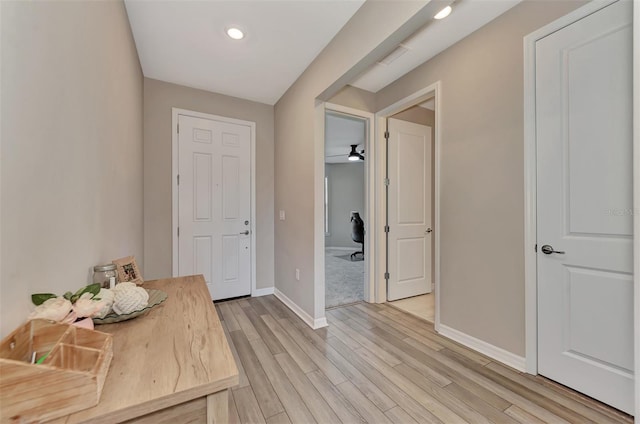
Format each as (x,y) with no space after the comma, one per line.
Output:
(69,379)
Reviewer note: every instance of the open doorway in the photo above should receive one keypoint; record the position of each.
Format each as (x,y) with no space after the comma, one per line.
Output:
(412,288)
(345,212)
(409,247)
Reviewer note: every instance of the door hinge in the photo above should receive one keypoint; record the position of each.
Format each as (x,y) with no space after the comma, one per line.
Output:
(386,228)
(387,182)
(178,128)
(386,275)
(386,135)
(535,248)
(178,179)
(178,231)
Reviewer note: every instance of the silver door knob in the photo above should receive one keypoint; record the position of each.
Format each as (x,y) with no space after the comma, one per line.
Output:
(547,250)
(428,230)
(245,233)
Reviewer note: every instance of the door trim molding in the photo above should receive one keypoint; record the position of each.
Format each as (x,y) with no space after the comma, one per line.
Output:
(369,195)
(175,112)
(381,214)
(530,184)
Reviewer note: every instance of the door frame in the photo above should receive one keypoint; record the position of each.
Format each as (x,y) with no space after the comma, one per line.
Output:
(369,193)
(175,112)
(433,90)
(530,184)
(319,320)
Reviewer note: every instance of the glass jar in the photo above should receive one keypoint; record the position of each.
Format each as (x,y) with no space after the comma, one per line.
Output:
(102,274)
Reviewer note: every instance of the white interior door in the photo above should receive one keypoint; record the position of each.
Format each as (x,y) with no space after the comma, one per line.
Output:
(410,230)
(584,157)
(214,204)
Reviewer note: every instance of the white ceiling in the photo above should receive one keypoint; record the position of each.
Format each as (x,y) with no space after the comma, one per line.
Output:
(341,131)
(184,42)
(466,17)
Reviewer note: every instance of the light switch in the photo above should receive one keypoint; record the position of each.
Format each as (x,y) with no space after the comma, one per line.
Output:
(281,215)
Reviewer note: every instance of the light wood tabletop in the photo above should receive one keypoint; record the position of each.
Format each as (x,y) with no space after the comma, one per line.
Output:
(174,357)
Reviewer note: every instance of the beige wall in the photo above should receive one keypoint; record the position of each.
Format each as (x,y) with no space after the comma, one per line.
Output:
(295,147)
(71,147)
(346,194)
(355,98)
(159,98)
(482,216)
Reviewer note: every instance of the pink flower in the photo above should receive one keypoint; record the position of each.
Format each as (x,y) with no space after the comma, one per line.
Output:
(55,309)
(85,306)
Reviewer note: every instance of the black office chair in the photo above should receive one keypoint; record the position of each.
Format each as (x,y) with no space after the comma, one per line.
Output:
(357,233)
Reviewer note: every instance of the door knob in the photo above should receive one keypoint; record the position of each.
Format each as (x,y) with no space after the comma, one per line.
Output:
(245,233)
(547,250)
(428,230)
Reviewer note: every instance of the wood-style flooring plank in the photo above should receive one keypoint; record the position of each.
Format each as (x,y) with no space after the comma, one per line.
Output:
(321,361)
(369,343)
(265,333)
(257,306)
(363,405)
(234,418)
(267,399)
(572,404)
(302,359)
(402,399)
(492,414)
(312,398)
(250,411)
(293,404)
(389,325)
(227,314)
(281,418)
(444,412)
(521,416)
(246,326)
(336,400)
(397,415)
(243,381)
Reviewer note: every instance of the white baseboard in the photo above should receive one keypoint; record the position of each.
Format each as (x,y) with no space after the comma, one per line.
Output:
(308,319)
(494,352)
(262,292)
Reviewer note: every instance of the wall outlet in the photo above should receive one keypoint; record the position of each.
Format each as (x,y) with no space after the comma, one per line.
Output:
(297,274)
(281,215)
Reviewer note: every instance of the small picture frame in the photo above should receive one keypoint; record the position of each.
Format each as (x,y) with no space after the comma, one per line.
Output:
(128,270)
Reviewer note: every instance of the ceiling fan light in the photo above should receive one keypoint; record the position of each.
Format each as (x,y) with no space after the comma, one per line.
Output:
(443,13)
(353,155)
(353,158)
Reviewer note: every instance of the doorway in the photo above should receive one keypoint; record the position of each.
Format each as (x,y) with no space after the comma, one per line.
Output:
(417,293)
(344,208)
(213,202)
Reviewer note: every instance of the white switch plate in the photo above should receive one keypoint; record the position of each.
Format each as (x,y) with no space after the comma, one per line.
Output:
(297,274)
(281,215)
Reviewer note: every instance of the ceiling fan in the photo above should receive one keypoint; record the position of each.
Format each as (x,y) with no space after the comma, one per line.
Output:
(353,155)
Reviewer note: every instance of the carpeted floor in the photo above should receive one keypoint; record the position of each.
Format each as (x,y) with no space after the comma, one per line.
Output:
(344,279)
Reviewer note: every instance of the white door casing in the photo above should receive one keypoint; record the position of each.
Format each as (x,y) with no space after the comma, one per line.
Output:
(409,209)
(584,204)
(214,204)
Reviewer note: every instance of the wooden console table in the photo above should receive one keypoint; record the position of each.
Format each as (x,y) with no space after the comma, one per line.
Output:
(170,365)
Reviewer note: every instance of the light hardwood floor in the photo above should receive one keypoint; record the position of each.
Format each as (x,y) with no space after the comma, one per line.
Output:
(422,306)
(377,364)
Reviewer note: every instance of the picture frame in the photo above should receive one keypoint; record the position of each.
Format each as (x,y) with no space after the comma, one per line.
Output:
(128,271)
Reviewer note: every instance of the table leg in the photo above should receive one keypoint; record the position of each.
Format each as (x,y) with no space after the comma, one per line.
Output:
(218,407)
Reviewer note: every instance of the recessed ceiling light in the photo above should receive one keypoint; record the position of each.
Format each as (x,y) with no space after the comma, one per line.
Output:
(235,33)
(443,13)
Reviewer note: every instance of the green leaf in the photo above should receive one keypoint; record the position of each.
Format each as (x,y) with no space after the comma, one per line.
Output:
(40,298)
(67,295)
(94,289)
